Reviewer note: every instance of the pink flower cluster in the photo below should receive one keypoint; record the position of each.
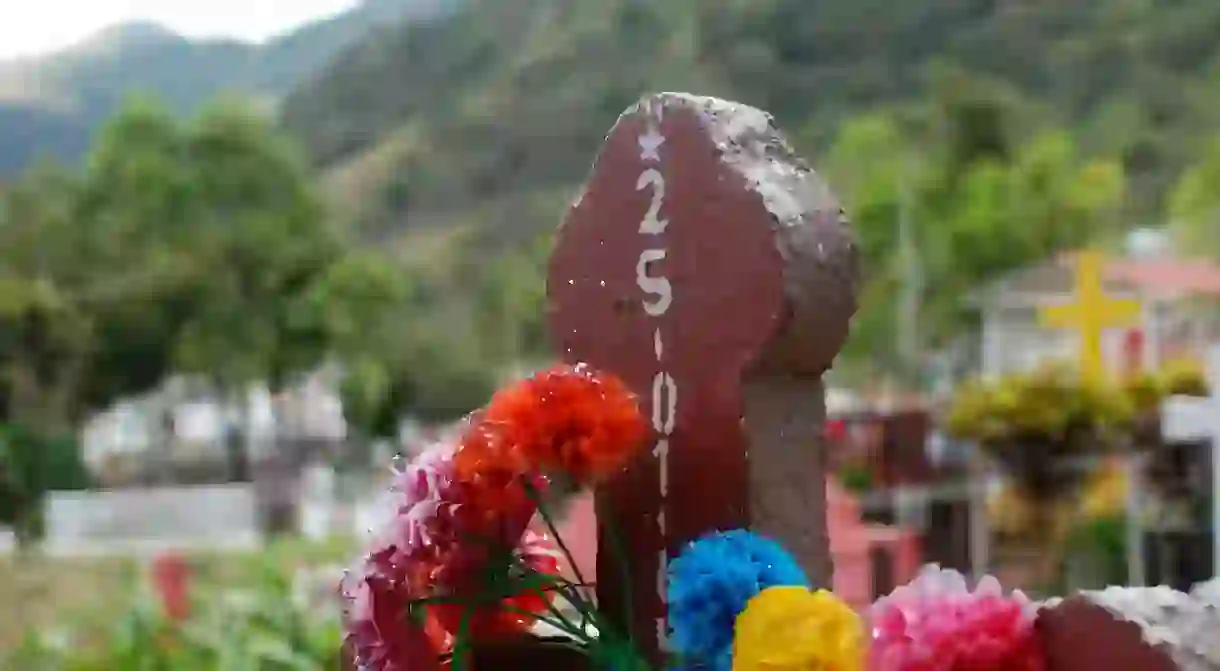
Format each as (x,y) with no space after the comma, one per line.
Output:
(937,623)
(418,549)
(378,590)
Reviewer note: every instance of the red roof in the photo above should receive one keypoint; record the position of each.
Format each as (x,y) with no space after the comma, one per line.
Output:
(1191,277)
(1170,276)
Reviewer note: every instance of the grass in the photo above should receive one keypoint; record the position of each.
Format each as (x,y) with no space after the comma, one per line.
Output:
(41,594)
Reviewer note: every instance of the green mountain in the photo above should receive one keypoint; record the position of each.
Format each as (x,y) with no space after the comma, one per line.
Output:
(51,105)
(492,113)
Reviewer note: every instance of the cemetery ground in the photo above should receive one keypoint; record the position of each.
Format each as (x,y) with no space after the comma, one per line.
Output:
(91,605)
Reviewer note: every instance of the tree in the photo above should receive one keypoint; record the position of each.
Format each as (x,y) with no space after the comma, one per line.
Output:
(261,237)
(183,247)
(1194,204)
(510,302)
(33,463)
(437,378)
(977,213)
(45,332)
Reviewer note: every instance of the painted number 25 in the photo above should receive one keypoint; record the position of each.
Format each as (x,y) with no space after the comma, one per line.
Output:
(652,224)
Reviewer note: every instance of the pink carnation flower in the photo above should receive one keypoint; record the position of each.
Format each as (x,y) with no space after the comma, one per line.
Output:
(379,590)
(937,623)
(423,548)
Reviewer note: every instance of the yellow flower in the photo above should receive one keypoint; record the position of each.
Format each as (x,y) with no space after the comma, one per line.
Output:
(793,629)
(1105,493)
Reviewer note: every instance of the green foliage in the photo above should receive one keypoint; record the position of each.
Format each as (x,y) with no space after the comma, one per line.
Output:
(435,378)
(856,478)
(1195,203)
(978,209)
(1035,423)
(510,302)
(1050,404)
(258,629)
(32,464)
(495,100)
(1104,541)
(201,247)
(183,247)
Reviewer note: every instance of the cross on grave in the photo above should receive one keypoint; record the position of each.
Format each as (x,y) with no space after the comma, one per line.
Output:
(1186,418)
(710,268)
(1092,313)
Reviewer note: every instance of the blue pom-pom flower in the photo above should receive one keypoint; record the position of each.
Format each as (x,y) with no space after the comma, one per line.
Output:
(711,582)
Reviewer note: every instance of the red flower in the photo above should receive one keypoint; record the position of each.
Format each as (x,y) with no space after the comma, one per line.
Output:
(172,578)
(511,616)
(570,421)
(380,635)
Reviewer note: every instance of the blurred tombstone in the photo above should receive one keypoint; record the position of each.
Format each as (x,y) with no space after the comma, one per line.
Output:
(318,502)
(711,269)
(152,520)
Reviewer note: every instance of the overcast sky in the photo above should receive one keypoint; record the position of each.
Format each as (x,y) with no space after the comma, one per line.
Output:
(32,27)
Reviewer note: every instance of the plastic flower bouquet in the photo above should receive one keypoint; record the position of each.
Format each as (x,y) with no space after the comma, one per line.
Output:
(460,561)
(470,555)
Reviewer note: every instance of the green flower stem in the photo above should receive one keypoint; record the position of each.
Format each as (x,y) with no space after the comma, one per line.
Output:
(461,643)
(559,622)
(616,546)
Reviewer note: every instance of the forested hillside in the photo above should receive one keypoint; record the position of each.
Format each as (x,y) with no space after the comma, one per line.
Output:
(508,96)
(51,106)
(1004,130)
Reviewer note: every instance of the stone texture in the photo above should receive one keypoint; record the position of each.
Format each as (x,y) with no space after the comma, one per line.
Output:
(784,398)
(821,263)
(1135,628)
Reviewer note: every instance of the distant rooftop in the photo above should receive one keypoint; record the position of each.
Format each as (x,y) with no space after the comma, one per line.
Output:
(1158,275)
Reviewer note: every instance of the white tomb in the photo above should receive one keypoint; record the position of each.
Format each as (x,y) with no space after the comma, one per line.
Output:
(318,503)
(1189,418)
(149,521)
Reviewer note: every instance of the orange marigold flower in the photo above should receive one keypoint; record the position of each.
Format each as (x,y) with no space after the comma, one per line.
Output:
(570,420)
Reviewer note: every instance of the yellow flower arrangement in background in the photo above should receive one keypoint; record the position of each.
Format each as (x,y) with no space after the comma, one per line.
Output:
(790,628)
(1105,492)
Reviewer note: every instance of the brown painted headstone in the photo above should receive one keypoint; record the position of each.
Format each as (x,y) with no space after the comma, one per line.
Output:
(1132,629)
(711,269)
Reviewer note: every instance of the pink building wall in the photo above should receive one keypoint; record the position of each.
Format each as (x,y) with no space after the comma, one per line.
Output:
(851,544)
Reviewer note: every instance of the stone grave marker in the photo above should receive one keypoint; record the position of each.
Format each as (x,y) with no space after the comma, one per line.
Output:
(1132,629)
(317,502)
(710,268)
(151,521)
(1186,418)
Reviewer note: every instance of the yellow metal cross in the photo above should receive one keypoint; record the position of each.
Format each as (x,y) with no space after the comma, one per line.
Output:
(1092,313)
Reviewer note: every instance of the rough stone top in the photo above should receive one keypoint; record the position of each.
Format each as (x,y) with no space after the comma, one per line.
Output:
(821,264)
(1187,626)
